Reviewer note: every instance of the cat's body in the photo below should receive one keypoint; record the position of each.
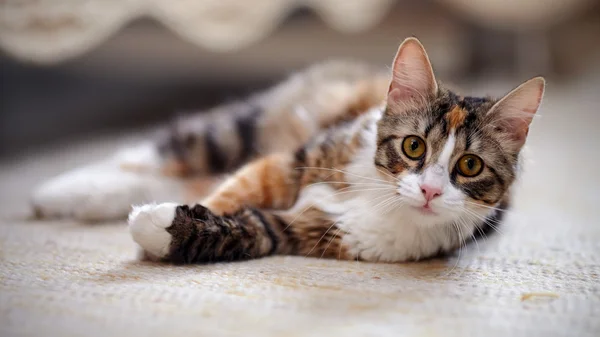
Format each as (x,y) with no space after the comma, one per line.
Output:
(352,174)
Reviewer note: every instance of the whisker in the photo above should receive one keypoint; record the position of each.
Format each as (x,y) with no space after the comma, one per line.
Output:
(329,196)
(297,216)
(330,240)
(383,204)
(495,228)
(380,171)
(481,232)
(485,206)
(385,173)
(366,187)
(462,242)
(353,190)
(463,222)
(491,222)
(454,225)
(321,238)
(342,171)
(383,195)
(396,202)
(483,220)
(340,251)
(348,183)
(360,190)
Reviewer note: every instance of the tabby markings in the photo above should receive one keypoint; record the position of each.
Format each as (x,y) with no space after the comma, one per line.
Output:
(456,117)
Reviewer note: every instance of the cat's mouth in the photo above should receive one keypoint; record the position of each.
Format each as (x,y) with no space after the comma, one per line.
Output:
(425,209)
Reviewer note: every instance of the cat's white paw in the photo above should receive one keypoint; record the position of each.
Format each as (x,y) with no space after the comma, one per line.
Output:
(148,224)
(105,190)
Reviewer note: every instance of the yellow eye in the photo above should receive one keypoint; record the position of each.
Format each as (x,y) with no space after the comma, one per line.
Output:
(413,147)
(469,165)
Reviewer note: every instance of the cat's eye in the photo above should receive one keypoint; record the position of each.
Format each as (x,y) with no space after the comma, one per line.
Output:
(413,147)
(469,165)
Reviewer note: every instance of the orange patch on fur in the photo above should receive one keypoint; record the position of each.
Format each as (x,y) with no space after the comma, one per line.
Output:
(268,186)
(281,191)
(456,117)
(398,168)
(261,184)
(221,206)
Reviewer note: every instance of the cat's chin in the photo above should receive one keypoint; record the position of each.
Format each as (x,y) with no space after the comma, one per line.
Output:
(430,216)
(425,210)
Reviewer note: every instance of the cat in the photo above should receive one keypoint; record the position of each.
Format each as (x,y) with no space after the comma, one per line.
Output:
(384,168)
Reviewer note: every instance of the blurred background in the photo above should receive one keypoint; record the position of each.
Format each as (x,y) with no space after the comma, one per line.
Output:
(73,69)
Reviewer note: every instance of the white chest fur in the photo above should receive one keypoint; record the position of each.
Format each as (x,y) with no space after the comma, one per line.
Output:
(376,229)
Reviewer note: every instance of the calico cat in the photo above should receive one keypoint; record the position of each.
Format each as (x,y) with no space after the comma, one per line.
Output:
(382,168)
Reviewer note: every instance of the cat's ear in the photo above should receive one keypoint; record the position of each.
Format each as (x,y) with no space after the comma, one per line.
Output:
(413,82)
(512,115)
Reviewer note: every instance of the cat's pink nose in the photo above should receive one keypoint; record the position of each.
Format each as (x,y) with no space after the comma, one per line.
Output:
(430,192)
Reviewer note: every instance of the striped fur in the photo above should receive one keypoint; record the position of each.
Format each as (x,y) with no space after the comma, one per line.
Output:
(323,147)
(201,236)
(228,136)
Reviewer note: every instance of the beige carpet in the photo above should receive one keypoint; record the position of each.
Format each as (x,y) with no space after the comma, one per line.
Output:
(539,278)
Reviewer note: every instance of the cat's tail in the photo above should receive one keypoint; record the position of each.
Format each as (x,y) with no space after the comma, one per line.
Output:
(182,234)
(278,119)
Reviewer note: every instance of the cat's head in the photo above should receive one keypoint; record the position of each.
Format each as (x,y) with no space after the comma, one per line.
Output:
(454,157)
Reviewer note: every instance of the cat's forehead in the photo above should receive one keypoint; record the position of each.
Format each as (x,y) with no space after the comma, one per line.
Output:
(457,109)
(464,118)
(448,112)
(453,113)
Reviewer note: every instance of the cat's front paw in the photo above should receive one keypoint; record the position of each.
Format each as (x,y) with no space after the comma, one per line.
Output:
(148,226)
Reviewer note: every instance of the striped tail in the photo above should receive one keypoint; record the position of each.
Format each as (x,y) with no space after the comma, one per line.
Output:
(199,236)
(279,119)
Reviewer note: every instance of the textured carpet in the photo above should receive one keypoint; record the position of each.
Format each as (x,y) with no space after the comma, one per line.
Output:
(540,277)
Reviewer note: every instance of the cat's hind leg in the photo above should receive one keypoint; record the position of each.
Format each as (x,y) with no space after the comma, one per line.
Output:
(106,190)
